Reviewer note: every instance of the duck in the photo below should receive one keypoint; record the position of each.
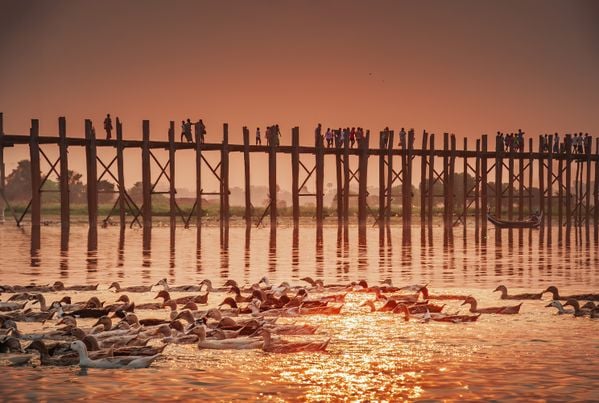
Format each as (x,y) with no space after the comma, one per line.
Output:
(560,308)
(240,343)
(21,296)
(148,305)
(284,346)
(12,306)
(255,310)
(209,287)
(238,296)
(179,288)
(321,310)
(426,295)
(61,360)
(138,288)
(59,286)
(437,317)
(132,320)
(10,344)
(504,294)
(113,362)
(577,310)
(504,310)
(316,285)
(584,297)
(199,299)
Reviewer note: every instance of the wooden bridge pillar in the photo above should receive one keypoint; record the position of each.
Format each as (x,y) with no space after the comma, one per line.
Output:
(121,173)
(246,170)
(568,187)
(198,140)
(346,178)
(465,186)
(382,150)
(272,179)
(431,181)
(319,179)
(596,192)
(423,180)
(92,174)
(451,185)
(477,182)
(484,188)
(446,188)
(339,174)
(549,206)
(146,175)
(295,191)
(363,179)
(224,175)
(390,174)
(407,185)
(34,153)
(2,172)
(65,213)
(172,191)
(510,189)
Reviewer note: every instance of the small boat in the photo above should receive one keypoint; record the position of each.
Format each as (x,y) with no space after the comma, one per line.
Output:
(533,222)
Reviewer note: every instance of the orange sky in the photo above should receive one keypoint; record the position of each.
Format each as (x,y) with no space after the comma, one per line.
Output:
(466,67)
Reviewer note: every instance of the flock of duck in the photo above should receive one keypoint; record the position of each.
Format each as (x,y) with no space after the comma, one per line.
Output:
(247,319)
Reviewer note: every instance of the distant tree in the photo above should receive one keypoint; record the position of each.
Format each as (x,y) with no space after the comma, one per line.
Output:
(136,192)
(77,191)
(105,191)
(18,182)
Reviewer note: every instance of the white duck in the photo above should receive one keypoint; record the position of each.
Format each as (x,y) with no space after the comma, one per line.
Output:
(240,343)
(560,308)
(111,362)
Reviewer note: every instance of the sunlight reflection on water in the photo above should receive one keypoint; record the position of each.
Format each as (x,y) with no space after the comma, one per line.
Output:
(371,356)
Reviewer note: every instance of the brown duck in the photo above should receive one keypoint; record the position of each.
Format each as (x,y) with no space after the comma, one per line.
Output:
(505,295)
(503,310)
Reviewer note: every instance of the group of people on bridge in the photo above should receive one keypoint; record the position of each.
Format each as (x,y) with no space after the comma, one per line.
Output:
(578,144)
(272,135)
(511,141)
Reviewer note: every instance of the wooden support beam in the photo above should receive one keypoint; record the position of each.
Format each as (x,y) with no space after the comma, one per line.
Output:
(560,195)
(2,169)
(382,149)
(542,188)
(92,174)
(224,175)
(339,173)
(451,186)
(484,206)
(521,183)
(198,145)
(390,175)
(319,145)
(295,167)
(445,175)
(499,151)
(587,211)
(172,189)
(34,154)
(272,179)
(530,175)
(65,206)
(431,181)
(246,170)
(568,188)
(346,178)
(146,175)
(549,206)
(408,185)
(477,181)
(465,188)
(121,174)
(423,182)
(596,194)
(363,179)
(510,189)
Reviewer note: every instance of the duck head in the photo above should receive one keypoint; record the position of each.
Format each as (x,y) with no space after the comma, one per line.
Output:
(177,325)
(214,314)
(164,295)
(104,321)
(231,283)
(170,304)
(191,306)
(186,315)
(58,286)
(589,305)
(574,303)
(78,333)
(39,346)
(115,285)
(469,300)
(235,289)
(308,280)
(79,347)
(553,290)
(388,282)
(369,303)
(502,289)
(363,283)
(163,283)
(206,283)
(11,344)
(94,302)
(403,309)
(132,319)
(124,298)
(229,301)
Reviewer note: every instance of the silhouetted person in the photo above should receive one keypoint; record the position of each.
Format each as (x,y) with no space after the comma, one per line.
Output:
(183,130)
(385,137)
(329,137)
(202,130)
(258,138)
(402,138)
(108,126)
(556,143)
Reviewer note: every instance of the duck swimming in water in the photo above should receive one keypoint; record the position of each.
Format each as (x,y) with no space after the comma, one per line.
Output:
(560,308)
(283,346)
(505,295)
(503,310)
(581,297)
(577,310)
(113,362)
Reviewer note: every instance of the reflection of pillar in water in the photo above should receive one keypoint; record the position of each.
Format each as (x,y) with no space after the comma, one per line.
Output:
(406,235)
(272,249)
(199,249)
(64,238)
(319,251)
(247,255)
(147,249)
(171,262)
(295,250)
(120,262)
(362,249)
(224,262)
(35,246)
(92,249)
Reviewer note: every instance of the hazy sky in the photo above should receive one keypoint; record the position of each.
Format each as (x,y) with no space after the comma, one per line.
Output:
(466,67)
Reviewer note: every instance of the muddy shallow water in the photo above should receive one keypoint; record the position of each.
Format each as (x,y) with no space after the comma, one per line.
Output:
(533,355)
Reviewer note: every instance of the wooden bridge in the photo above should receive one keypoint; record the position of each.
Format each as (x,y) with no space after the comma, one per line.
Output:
(575,201)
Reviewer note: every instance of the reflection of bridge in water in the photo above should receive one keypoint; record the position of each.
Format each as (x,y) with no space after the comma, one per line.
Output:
(573,205)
